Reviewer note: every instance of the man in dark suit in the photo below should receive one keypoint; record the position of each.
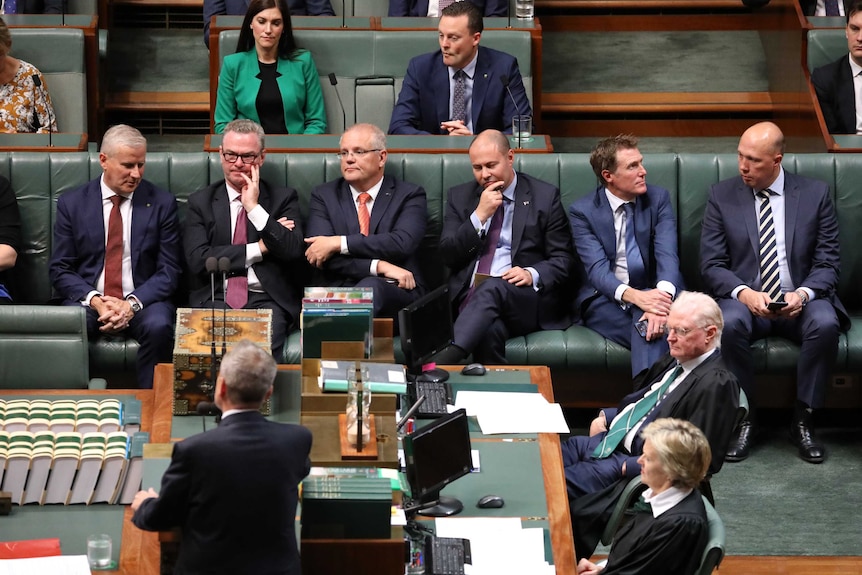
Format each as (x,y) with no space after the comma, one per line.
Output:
(240,7)
(840,99)
(364,228)
(233,490)
(117,251)
(771,236)
(627,289)
(272,246)
(691,383)
(431,8)
(508,247)
(459,89)
(818,7)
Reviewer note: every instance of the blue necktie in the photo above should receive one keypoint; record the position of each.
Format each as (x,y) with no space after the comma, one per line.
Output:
(831,7)
(10,7)
(634,259)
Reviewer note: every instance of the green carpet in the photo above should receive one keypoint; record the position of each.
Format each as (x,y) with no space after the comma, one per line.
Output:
(653,62)
(155,60)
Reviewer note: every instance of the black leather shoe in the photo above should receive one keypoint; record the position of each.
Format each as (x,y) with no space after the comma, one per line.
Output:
(802,436)
(740,446)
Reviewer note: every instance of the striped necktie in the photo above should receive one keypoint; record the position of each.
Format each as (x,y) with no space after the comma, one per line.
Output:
(621,425)
(770,280)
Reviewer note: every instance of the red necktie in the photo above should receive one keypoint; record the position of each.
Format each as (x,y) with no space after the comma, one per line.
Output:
(114,251)
(364,216)
(237,286)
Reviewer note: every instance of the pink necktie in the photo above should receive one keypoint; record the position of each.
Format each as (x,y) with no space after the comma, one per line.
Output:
(237,286)
(362,211)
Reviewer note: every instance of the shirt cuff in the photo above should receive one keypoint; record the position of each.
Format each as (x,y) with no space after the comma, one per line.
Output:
(536,279)
(132,296)
(667,287)
(344,250)
(258,217)
(88,297)
(618,295)
(735,293)
(373,269)
(474,219)
(809,291)
(252,254)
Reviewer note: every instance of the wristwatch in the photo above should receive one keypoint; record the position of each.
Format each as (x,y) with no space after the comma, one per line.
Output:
(803,295)
(136,307)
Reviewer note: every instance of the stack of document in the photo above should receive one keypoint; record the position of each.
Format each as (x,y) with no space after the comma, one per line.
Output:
(499,546)
(505,412)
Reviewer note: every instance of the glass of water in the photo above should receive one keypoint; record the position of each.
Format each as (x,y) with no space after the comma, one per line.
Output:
(524,9)
(99,550)
(522,130)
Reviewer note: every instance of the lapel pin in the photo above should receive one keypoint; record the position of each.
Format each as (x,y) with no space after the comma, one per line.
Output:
(526,202)
(149,204)
(485,75)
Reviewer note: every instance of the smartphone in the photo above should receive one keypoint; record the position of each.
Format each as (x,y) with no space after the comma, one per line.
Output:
(776,305)
(642,326)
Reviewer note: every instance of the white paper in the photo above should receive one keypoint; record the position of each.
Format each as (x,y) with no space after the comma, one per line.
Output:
(498,546)
(56,565)
(502,412)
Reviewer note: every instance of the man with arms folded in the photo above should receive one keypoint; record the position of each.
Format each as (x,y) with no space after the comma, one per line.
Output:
(625,237)
(508,246)
(839,84)
(364,228)
(233,490)
(769,253)
(117,251)
(459,89)
(269,244)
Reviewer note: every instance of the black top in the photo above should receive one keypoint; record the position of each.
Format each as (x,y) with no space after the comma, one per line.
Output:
(10,222)
(270,108)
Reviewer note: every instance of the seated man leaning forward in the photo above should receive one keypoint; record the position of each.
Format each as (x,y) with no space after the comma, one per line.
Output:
(508,247)
(233,490)
(461,89)
(691,383)
(117,251)
(625,237)
(364,228)
(670,534)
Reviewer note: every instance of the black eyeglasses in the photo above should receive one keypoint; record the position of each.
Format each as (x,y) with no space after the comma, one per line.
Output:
(230,157)
(344,154)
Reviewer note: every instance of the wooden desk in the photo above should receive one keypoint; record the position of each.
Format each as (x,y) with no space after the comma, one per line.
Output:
(427,144)
(57,142)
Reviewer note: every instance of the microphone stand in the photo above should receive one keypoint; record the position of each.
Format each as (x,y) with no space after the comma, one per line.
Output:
(224,268)
(504,79)
(212,268)
(334,81)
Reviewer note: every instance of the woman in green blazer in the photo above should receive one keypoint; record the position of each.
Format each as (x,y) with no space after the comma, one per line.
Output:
(269,79)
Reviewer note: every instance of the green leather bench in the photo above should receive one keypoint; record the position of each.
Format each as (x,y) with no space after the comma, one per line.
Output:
(370,66)
(58,53)
(825,45)
(587,369)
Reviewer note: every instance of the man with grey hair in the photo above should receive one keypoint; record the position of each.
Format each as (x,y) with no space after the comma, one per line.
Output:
(233,490)
(690,383)
(117,251)
(364,229)
(256,226)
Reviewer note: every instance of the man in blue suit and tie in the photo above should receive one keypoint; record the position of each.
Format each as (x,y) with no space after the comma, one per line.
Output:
(835,82)
(626,240)
(461,88)
(769,253)
(364,228)
(117,251)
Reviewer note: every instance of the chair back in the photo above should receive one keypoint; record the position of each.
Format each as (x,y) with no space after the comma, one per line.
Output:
(714,552)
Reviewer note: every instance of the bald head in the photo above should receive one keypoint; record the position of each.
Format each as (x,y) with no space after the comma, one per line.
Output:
(492,158)
(760,151)
(766,135)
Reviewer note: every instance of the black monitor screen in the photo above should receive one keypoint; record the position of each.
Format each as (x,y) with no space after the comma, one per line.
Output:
(426,327)
(437,455)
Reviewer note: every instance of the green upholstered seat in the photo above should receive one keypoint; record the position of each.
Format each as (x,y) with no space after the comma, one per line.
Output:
(825,45)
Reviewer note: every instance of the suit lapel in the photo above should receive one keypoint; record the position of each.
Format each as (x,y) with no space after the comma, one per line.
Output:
(481,78)
(381,203)
(440,84)
(791,209)
(222,216)
(96,233)
(643,229)
(523,206)
(603,217)
(348,208)
(142,211)
(847,96)
(745,201)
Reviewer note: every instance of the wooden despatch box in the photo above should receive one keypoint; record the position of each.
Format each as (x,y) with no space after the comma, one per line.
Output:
(195,332)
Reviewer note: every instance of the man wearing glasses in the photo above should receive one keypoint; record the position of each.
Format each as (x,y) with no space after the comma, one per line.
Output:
(691,383)
(364,228)
(253,224)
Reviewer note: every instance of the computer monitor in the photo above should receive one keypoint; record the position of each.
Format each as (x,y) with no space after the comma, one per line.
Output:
(426,330)
(435,456)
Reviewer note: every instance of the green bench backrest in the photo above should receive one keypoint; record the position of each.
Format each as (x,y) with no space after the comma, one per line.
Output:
(825,46)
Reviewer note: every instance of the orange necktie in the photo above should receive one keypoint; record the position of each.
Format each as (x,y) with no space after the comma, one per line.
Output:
(364,216)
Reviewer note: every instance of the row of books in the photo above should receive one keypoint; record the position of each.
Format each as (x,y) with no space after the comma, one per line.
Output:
(382,377)
(84,415)
(70,467)
(336,314)
(346,507)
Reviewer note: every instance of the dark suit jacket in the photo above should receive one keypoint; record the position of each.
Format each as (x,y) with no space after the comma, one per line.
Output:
(540,239)
(420,7)
(239,8)
(424,100)
(834,86)
(708,397)
(79,243)
(207,234)
(810,6)
(233,491)
(41,7)
(398,219)
(729,252)
(592,224)
(673,542)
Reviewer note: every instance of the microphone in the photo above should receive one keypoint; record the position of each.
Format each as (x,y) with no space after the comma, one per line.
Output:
(334,82)
(343,18)
(504,79)
(37,81)
(209,408)
(224,268)
(211,265)
(509,19)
